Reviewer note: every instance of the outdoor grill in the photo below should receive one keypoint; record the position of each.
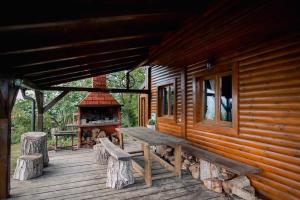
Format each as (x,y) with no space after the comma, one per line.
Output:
(99,115)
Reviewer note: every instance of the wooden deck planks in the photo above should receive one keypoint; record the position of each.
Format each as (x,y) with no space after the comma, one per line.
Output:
(74,175)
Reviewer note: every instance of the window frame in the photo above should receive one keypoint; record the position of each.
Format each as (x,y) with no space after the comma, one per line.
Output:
(159,100)
(198,98)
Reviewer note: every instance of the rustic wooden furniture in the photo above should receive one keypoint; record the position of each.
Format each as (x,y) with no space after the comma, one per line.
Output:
(29,166)
(35,142)
(86,177)
(119,169)
(100,154)
(231,165)
(65,134)
(251,35)
(148,137)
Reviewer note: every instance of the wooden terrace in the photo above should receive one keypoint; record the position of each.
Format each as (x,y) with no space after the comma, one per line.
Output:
(75,175)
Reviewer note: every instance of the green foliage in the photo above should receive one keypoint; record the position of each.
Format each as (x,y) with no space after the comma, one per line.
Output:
(129,101)
(151,122)
(62,113)
(21,119)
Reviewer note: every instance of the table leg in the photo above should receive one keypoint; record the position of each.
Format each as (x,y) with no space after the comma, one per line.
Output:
(177,169)
(72,142)
(121,140)
(147,164)
(55,142)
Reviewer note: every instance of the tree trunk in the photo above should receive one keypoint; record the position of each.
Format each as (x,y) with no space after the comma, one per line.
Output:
(101,155)
(29,166)
(119,173)
(35,142)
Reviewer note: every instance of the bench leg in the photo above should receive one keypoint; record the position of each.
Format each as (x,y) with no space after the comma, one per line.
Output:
(177,169)
(119,173)
(147,163)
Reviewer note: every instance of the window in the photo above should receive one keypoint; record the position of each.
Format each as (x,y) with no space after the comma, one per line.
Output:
(215,100)
(209,95)
(226,98)
(166,97)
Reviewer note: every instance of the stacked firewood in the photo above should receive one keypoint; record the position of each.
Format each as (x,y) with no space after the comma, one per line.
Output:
(97,134)
(115,139)
(166,152)
(214,178)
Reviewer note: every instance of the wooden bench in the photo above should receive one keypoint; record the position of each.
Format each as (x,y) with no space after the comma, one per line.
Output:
(233,166)
(119,169)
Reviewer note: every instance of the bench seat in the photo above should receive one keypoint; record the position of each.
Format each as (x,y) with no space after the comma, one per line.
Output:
(119,169)
(218,160)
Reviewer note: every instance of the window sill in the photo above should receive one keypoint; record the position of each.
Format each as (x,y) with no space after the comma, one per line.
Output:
(225,129)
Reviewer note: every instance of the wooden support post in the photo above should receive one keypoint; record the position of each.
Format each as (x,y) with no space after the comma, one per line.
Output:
(183,102)
(8,93)
(54,101)
(121,140)
(177,160)
(40,117)
(149,92)
(147,165)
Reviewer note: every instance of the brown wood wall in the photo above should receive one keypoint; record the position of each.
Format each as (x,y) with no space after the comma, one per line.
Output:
(267,53)
(162,74)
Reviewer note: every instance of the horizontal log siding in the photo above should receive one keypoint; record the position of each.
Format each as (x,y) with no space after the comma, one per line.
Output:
(161,74)
(269,92)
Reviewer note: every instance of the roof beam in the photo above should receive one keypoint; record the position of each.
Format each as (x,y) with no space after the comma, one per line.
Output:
(85,58)
(102,41)
(46,71)
(31,60)
(71,52)
(29,12)
(84,76)
(83,70)
(84,89)
(54,101)
(55,34)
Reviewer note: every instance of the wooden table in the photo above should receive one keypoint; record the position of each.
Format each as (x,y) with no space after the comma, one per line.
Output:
(148,137)
(64,133)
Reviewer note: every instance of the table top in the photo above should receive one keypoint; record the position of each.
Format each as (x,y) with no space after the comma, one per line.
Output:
(61,133)
(151,137)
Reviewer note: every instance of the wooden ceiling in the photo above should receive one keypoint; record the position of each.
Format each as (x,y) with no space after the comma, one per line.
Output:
(51,42)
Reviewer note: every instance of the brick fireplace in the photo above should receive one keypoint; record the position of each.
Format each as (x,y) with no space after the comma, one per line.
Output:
(99,112)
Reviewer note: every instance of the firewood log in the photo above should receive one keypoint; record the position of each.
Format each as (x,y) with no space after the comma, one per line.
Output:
(240,181)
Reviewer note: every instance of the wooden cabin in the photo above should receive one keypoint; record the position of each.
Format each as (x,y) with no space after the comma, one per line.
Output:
(224,75)
(229,82)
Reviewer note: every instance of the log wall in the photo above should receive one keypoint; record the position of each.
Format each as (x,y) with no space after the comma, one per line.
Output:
(161,74)
(265,47)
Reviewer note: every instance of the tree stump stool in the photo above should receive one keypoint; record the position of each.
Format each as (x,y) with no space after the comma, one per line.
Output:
(29,166)
(119,173)
(119,169)
(35,142)
(100,154)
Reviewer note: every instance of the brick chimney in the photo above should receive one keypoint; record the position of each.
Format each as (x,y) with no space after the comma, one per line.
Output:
(99,81)
(99,98)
